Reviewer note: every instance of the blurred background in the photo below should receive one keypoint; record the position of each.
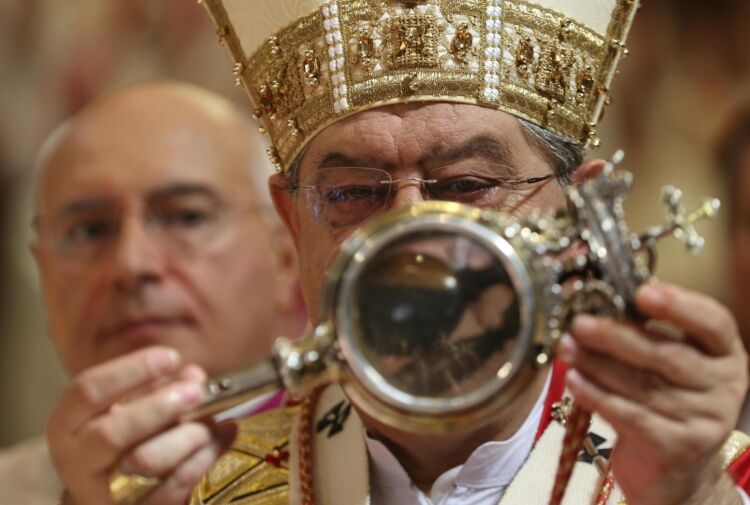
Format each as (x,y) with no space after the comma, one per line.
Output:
(688,70)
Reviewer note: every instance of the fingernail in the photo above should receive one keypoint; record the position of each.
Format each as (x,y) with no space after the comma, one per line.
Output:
(191,392)
(584,323)
(573,378)
(163,361)
(193,373)
(566,349)
(652,295)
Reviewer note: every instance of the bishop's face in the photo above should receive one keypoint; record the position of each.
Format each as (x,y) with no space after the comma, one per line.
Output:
(461,147)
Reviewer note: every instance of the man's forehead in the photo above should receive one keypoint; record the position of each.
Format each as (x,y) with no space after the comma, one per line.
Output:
(416,131)
(117,171)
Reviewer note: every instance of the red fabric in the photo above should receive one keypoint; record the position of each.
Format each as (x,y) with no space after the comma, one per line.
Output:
(555,394)
(739,470)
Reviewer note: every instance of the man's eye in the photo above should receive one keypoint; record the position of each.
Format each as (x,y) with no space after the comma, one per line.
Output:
(185,217)
(465,185)
(343,194)
(88,232)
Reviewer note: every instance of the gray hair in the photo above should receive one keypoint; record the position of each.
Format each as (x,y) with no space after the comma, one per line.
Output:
(565,155)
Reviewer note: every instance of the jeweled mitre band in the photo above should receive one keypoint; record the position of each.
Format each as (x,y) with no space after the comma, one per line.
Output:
(308,63)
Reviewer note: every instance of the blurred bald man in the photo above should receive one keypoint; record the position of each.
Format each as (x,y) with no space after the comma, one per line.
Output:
(161,263)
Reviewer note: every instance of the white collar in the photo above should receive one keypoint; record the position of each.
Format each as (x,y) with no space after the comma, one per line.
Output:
(491,467)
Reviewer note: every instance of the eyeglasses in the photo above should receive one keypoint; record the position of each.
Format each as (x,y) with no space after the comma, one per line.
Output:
(177,227)
(347,196)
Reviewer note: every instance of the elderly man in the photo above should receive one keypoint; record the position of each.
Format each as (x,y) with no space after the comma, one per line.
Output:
(734,160)
(161,262)
(377,105)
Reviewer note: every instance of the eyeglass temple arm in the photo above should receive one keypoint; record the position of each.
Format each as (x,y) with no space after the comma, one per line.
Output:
(530,180)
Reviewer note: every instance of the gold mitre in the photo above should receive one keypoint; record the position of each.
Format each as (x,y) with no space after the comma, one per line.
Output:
(308,63)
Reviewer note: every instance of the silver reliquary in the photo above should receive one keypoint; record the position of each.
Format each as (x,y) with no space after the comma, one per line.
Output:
(435,316)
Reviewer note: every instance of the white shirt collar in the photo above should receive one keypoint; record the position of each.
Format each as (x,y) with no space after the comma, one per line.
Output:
(487,472)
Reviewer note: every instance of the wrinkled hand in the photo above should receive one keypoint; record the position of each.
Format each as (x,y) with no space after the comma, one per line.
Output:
(672,401)
(124,414)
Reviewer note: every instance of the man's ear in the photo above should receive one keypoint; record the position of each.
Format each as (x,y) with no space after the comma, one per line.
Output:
(286,205)
(40,256)
(587,170)
(292,315)
(289,294)
(36,252)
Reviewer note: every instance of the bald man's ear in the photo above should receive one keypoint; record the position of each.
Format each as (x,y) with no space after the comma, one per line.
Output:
(587,170)
(285,205)
(38,253)
(42,259)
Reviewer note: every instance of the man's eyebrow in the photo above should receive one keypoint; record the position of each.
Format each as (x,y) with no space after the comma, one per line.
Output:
(183,189)
(83,205)
(483,146)
(100,203)
(339,159)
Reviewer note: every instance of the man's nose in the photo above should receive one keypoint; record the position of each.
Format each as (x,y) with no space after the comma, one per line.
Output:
(136,258)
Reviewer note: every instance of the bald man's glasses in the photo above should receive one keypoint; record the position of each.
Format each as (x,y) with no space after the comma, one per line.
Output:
(177,225)
(347,196)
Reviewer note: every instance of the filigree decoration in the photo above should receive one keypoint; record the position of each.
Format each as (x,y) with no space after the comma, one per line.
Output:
(584,85)
(553,74)
(524,56)
(311,68)
(294,130)
(283,92)
(463,43)
(412,41)
(273,43)
(365,47)
(273,157)
(409,85)
(266,100)
(286,91)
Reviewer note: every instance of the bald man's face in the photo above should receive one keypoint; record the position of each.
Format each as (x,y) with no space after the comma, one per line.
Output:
(150,233)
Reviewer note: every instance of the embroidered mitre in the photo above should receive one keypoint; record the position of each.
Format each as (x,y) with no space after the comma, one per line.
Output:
(307,63)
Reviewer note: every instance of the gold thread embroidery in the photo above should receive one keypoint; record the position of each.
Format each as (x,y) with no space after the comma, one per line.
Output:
(552,71)
(524,56)
(255,466)
(463,43)
(365,46)
(311,67)
(734,447)
(412,41)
